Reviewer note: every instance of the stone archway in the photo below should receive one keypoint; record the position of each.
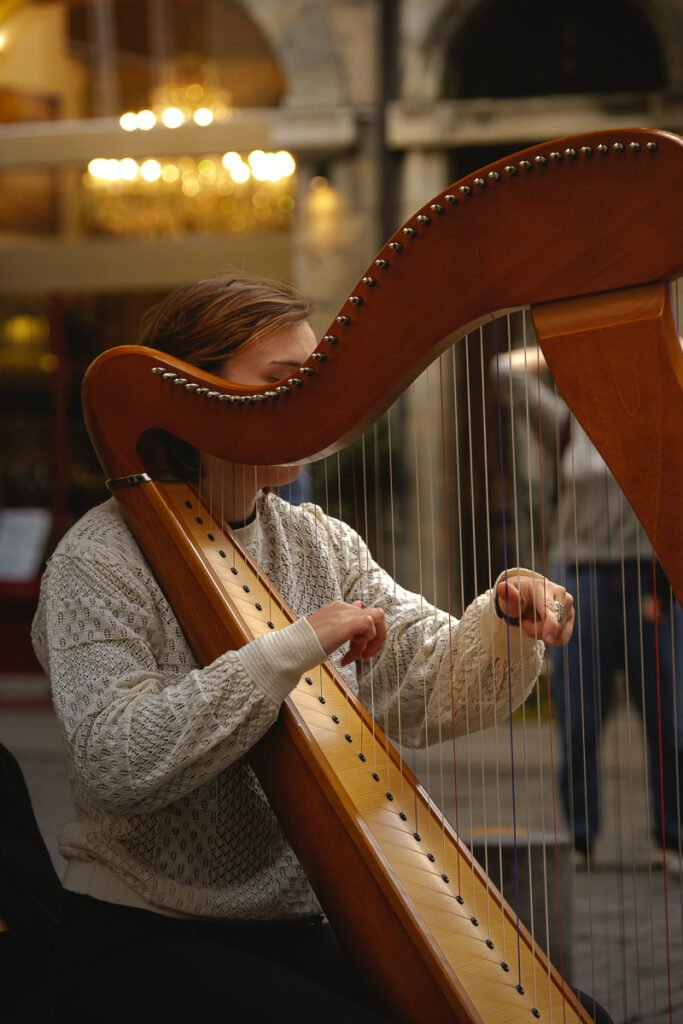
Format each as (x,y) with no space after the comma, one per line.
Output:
(299,33)
(541,49)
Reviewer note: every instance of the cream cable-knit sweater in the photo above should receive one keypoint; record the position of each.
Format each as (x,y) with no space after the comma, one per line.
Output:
(169,814)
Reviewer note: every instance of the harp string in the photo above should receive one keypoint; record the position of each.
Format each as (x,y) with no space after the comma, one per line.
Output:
(661,781)
(394,574)
(546,889)
(461,564)
(470,786)
(506,567)
(446,517)
(518,560)
(420,384)
(526,758)
(438,552)
(514,901)
(420,591)
(632,785)
(544,570)
(435,553)
(514,421)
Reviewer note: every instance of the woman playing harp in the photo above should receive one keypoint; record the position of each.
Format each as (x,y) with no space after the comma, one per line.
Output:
(176,861)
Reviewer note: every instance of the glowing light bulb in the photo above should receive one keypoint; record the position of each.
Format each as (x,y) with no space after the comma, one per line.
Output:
(203,116)
(239,173)
(286,163)
(129,121)
(98,167)
(128,169)
(258,161)
(231,159)
(172,117)
(146,120)
(111,170)
(151,170)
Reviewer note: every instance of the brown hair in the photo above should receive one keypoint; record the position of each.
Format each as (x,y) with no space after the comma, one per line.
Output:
(205,322)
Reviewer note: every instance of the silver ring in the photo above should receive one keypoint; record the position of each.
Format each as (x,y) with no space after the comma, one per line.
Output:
(560,611)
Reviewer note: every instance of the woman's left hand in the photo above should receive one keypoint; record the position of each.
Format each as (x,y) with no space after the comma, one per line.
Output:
(542,609)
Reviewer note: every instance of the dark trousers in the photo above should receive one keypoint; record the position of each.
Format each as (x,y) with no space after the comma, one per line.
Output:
(119,963)
(610,635)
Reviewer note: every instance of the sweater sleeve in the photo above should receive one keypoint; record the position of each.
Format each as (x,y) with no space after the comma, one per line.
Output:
(141,735)
(436,676)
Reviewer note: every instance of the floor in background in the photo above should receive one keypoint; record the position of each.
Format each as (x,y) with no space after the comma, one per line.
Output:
(623,949)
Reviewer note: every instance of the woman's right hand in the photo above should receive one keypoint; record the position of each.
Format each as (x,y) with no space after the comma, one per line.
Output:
(364,629)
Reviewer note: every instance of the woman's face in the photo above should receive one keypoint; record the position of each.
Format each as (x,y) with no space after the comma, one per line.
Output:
(275,356)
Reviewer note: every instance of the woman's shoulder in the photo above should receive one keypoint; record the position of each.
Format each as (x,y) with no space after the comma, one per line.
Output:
(101,532)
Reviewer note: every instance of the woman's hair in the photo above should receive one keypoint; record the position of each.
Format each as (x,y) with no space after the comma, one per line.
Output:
(205,322)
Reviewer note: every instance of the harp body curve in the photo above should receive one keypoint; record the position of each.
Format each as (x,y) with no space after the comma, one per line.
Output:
(588,224)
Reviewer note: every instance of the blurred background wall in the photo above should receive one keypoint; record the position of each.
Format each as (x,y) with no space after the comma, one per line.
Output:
(144,143)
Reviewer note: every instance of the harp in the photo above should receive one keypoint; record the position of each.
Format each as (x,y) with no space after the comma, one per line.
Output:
(586,231)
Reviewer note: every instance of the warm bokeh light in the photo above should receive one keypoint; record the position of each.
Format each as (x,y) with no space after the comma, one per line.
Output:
(203,116)
(194,92)
(286,162)
(240,173)
(271,166)
(231,159)
(323,198)
(146,120)
(234,192)
(128,169)
(151,170)
(172,117)
(170,173)
(96,167)
(129,121)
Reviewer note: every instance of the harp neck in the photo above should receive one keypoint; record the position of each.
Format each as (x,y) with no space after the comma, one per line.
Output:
(572,217)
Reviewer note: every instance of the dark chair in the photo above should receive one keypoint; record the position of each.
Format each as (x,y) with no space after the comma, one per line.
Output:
(30,903)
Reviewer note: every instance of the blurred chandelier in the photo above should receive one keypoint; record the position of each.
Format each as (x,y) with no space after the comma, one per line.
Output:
(231,193)
(176,103)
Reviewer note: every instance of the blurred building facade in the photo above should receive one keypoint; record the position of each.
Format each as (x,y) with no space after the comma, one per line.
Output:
(143,144)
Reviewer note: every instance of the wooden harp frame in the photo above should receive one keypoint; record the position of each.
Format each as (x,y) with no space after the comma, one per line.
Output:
(585,230)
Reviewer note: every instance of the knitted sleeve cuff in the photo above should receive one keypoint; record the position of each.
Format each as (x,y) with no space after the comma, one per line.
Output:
(275,661)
